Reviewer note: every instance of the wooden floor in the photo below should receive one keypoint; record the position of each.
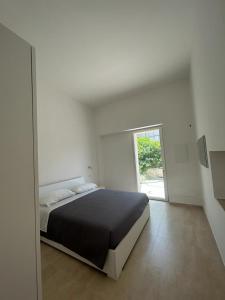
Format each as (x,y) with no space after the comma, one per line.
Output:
(175,258)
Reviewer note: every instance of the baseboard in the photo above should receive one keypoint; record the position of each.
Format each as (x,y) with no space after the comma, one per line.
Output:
(186,204)
(184,199)
(214,236)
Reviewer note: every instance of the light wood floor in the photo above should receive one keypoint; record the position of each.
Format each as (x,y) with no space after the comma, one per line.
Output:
(175,258)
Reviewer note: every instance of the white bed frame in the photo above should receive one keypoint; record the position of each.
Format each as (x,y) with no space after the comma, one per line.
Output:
(116,258)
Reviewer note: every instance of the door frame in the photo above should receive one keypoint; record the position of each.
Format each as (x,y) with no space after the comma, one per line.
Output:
(161,134)
(36,180)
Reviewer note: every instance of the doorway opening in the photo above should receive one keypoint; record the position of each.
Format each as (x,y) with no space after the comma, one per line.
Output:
(150,163)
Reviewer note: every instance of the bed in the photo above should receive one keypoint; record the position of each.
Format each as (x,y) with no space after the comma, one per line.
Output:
(78,226)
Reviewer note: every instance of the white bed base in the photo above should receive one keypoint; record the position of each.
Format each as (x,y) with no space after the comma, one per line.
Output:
(116,258)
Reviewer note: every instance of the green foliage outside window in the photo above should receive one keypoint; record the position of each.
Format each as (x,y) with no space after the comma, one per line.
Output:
(149,154)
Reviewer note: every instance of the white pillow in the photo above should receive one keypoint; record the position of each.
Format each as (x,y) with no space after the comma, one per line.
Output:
(84,187)
(55,196)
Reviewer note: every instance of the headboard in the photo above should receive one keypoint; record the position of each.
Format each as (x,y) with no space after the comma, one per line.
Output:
(66,184)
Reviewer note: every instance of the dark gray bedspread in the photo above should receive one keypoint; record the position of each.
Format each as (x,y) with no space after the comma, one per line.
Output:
(95,222)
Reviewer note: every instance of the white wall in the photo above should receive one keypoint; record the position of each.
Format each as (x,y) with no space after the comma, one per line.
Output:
(208,76)
(169,104)
(66,138)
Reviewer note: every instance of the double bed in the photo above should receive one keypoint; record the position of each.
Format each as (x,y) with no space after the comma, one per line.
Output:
(99,227)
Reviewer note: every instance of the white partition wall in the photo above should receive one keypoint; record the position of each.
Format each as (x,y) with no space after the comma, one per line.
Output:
(19,253)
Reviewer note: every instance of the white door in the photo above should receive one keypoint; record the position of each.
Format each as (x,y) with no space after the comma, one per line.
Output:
(18,252)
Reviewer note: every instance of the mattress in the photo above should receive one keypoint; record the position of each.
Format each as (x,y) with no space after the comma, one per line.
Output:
(96,222)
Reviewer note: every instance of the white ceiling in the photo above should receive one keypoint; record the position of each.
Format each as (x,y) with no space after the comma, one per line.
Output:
(95,49)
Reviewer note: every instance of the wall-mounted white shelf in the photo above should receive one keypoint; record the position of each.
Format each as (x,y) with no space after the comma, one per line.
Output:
(217,160)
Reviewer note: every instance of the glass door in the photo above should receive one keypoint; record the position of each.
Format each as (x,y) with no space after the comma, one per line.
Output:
(150,164)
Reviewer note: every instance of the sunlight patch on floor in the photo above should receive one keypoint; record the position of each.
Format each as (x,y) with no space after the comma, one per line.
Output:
(153,188)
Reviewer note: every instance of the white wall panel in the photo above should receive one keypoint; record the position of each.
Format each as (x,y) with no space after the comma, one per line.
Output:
(118,162)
